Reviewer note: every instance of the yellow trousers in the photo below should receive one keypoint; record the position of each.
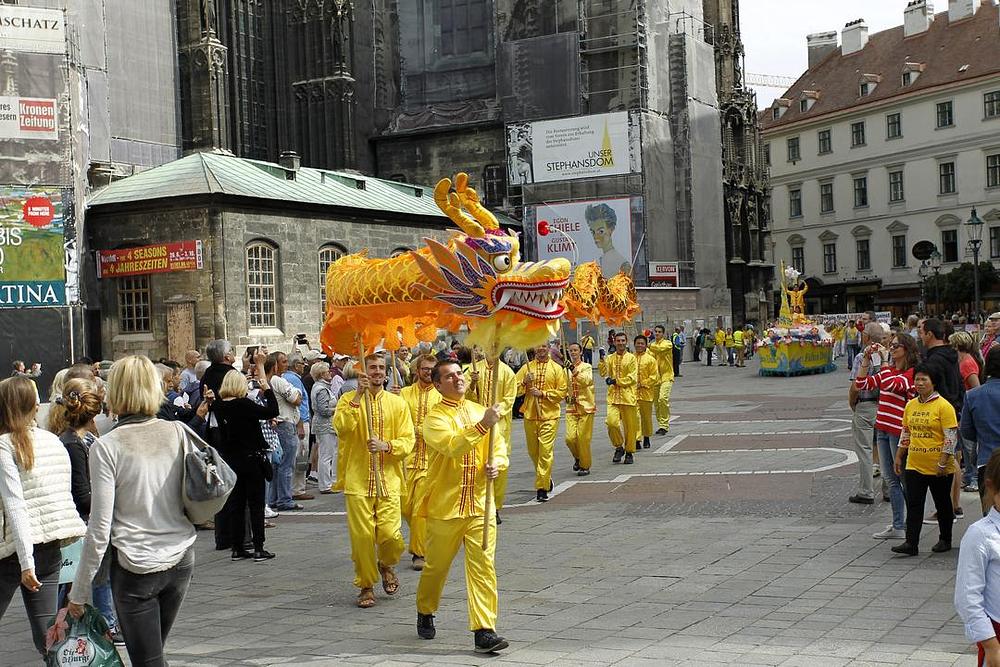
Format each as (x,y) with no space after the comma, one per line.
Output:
(663,405)
(500,483)
(646,418)
(416,489)
(623,418)
(579,430)
(541,437)
(444,537)
(374,527)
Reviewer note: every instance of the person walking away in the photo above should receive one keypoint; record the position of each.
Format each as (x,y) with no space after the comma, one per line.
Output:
(679,340)
(323,401)
(580,409)
(37,505)
(373,505)
(930,434)
(738,345)
(864,403)
(852,336)
(647,389)
(420,397)
(587,343)
(137,477)
(456,431)
(621,373)
(730,347)
(662,351)
(893,380)
(980,422)
(543,383)
(970,366)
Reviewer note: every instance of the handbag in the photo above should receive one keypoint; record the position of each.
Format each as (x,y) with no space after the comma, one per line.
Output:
(82,642)
(263,460)
(208,479)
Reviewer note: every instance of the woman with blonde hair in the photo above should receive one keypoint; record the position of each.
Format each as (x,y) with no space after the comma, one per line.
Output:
(36,501)
(137,476)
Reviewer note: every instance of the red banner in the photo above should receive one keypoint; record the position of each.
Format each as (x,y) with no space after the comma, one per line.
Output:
(160,258)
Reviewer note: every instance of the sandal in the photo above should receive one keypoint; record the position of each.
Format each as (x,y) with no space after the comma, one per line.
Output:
(366,598)
(390,582)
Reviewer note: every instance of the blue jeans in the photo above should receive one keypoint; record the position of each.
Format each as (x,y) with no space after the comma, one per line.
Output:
(887,446)
(969,455)
(279,493)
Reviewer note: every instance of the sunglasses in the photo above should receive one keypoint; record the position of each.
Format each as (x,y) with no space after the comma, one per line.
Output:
(893,346)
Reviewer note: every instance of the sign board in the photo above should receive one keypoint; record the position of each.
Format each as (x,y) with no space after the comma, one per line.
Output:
(32,246)
(577,147)
(664,274)
(28,118)
(32,30)
(159,258)
(598,230)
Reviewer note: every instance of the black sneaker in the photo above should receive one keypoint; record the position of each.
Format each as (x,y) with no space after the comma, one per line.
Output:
(629,460)
(576,465)
(499,520)
(258,556)
(861,500)
(941,547)
(583,472)
(425,626)
(645,443)
(542,495)
(619,453)
(488,641)
(638,446)
(661,431)
(242,555)
(906,549)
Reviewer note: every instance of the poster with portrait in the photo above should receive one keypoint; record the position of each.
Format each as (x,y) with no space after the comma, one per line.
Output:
(599,230)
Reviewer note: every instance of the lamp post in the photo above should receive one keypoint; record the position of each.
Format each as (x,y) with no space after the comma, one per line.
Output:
(975,227)
(936,266)
(922,272)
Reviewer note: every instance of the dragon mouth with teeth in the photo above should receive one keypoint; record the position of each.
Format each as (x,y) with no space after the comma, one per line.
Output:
(540,300)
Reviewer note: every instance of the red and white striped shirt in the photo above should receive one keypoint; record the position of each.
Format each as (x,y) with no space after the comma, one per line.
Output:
(893,387)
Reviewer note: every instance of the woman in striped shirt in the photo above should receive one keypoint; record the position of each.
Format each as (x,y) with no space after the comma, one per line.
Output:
(893,381)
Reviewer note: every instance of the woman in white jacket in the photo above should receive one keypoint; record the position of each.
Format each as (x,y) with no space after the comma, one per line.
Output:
(39,516)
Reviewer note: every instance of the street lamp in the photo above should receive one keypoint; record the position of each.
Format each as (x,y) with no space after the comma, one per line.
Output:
(936,265)
(922,272)
(975,227)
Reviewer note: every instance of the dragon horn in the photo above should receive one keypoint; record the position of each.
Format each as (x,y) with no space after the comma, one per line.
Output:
(470,202)
(451,205)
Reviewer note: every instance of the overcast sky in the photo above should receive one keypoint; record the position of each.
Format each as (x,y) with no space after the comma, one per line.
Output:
(774,31)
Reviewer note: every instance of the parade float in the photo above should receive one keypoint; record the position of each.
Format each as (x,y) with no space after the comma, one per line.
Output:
(796,345)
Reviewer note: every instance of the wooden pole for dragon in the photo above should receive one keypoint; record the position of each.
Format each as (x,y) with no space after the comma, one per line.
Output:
(366,421)
(488,508)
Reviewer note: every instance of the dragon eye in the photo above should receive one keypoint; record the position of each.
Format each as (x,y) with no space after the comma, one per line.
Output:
(502,262)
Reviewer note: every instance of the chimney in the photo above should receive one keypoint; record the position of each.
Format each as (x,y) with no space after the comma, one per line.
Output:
(917,17)
(290,162)
(820,45)
(962,9)
(854,37)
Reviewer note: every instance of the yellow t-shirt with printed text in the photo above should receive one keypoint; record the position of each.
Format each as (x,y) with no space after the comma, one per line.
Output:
(926,423)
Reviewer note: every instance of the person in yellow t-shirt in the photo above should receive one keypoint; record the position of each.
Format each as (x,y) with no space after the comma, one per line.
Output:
(720,347)
(373,520)
(479,383)
(621,374)
(730,347)
(420,397)
(663,351)
(738,345)
(580,409)
(543,384)
(930,433)
(456,431)
(647,390)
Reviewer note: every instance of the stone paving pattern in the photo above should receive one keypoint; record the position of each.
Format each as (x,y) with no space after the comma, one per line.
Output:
(639,565)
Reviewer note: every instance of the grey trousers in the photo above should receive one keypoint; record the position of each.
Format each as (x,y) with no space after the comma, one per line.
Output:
(862,428)
(41,607)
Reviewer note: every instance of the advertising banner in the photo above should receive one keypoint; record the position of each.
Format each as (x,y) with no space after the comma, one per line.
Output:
(28,29)
(159,258)
(599,231)
(32,256)
(24,118)
(569,148)
(663,274)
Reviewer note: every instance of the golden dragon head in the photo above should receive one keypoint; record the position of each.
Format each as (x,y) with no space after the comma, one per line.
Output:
(480,275)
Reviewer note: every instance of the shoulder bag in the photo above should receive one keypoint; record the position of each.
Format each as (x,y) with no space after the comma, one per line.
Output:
(208,479)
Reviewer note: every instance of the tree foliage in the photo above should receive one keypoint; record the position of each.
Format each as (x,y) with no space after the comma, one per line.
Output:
(957,287)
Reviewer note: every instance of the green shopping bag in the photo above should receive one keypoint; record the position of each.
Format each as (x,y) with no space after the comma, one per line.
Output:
(83,642)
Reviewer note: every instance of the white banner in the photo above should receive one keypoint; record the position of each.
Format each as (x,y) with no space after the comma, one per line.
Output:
(32,30)
(28,118)
(601,231)
(570,148)
(664,274)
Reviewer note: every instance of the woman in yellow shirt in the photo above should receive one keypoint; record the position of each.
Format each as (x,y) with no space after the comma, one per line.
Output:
(930,432)
(580,409)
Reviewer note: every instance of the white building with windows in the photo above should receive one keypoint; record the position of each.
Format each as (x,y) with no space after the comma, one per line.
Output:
(887,140)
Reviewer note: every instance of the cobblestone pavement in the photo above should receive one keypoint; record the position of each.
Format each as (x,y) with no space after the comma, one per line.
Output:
(730,541)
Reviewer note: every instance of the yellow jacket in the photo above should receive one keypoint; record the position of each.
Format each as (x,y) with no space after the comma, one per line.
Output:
(481,391)
(730,341)
(391,420)
(663,352)
(419,400)
(458,449)
(581,389)
(625,370)
(649,377)
(720,337)
(550,378)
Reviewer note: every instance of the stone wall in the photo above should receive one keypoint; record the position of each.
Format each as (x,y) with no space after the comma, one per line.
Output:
(426,158)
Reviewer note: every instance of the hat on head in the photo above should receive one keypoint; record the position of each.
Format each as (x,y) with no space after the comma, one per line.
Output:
(340,357)
(312,355)
(995,316)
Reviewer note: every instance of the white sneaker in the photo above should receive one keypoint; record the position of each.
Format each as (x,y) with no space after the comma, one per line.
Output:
(890,533)
(269,513)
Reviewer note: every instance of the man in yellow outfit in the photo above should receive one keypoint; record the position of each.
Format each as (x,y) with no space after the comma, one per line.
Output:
(621,373)
(456,431)
(663,351)
(648,388)
(378,447)
(543,384)
(580,409)
(420,397)
(479,383)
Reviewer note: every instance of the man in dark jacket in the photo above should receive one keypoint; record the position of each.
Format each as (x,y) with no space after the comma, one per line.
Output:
(944,359)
